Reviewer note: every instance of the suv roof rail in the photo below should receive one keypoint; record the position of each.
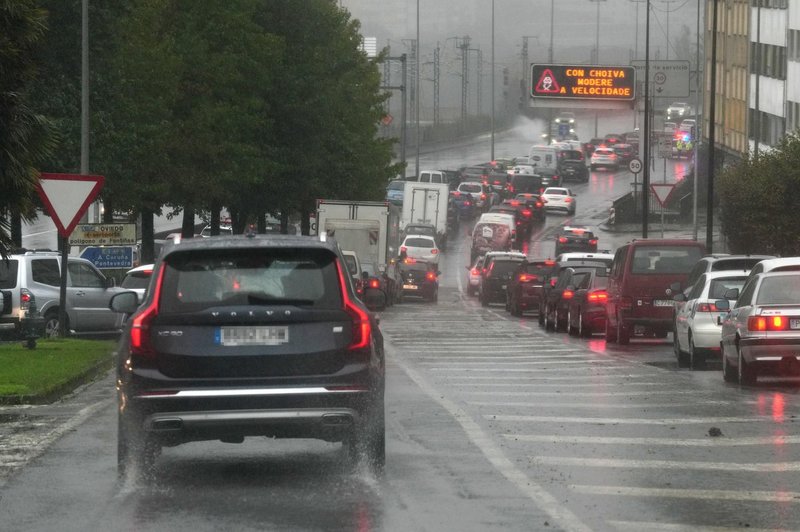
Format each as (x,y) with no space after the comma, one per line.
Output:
(26,251)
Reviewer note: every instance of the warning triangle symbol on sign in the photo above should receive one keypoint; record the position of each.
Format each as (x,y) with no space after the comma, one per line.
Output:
(547,83)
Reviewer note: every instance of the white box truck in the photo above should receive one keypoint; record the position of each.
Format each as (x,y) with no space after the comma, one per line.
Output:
(370,228)
(426,203)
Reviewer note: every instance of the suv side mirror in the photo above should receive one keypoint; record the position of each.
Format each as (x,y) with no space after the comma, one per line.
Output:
(124,302)
(679,297)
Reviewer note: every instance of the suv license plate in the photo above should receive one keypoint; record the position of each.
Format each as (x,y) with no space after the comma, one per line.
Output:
(409,287)
(663,303)
(238,336)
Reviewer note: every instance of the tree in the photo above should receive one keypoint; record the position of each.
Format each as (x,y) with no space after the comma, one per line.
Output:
(757,198)
(25,136)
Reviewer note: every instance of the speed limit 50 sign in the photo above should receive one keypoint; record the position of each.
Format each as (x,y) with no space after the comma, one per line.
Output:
(635,166)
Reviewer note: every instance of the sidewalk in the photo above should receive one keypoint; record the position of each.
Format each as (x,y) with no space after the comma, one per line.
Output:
(628,231)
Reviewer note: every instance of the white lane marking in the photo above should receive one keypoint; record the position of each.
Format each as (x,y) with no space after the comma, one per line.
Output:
(611,406)
(575,378)
(538,362)
(444,358)
(589,394)
(29,235)
(644,526)
(777,467)
(482,349)
(582,369)
(667,442)
(719,495)
(41,445)
(547,502)
(625,421)
(562,385)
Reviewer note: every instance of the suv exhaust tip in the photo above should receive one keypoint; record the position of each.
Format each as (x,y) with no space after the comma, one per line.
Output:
(337,419)
(166,425)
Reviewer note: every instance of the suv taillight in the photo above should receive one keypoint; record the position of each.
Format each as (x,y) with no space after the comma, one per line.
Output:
(361,328)
(25,298)
(140,325)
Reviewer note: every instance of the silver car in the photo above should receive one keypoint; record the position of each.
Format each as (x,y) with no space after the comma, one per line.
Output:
(762,330)
(604,157)
(696,333)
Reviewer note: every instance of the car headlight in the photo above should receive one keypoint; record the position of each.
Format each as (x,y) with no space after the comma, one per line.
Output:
(571,120)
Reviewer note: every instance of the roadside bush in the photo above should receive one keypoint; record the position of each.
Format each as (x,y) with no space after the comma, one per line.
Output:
(758,199)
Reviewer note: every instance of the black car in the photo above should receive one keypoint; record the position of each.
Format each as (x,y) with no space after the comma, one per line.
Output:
(525,286)
(589,147)
(524,213)
(550,177)
(535,204)
(494,283)
(419,279)
(572,238)
(572,165)
(258,335)
(559,296)
(587,308)
(552,276)
(525,184)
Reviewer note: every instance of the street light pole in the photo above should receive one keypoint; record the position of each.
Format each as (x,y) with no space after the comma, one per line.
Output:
(491,80)
(646,133)
(712,107)
(596,52)
(417,87)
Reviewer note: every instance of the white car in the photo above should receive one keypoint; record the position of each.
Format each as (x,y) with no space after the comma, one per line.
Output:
(474,276)
(137,280)
(480,195)
(697,333)
(605,157)
(559,198)
(420,247)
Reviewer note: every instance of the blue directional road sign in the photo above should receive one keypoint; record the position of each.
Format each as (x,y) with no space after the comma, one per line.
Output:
(563,130)
(108,258)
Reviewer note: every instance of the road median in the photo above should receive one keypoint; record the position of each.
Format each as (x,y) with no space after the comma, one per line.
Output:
(52,370)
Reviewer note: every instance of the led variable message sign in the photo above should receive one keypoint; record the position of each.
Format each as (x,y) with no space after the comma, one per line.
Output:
(583,82)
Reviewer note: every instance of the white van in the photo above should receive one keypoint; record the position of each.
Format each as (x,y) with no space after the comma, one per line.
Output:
(499,217)
(431,176)
(542,156)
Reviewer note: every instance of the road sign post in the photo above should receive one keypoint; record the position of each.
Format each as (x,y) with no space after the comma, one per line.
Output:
(67,197)
(635,166)
(662,192)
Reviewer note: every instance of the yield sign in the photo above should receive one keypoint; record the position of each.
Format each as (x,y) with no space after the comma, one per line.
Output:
(662,192)
(67,197)
(547,82)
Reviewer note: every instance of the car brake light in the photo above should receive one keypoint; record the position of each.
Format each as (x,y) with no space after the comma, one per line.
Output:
(25,298)
(430,276)
(140,324)
(483,196)
(706,307)
(457,194)
(403,249)
(562,239)
(625,303)
(374,283)
(597,297)
(467,203)
(475,271)
(526,213)
(434,251)
(767,323)
(567,200)
(553,281)
(567,294)
(526,278)
(514,203)
(593,241)
(549,263)
(361,328)
(511,188)
(539,204)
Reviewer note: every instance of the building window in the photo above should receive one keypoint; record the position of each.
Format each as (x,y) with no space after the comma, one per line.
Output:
(768,60)
(770,128)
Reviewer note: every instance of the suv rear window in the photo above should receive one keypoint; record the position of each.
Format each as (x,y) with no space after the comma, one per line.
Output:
(675,259)
(503,266)
(46,271)
(470,188)
(734,264)
(8,273)
(136,280)
(419,242)
(783,290)
(196,280)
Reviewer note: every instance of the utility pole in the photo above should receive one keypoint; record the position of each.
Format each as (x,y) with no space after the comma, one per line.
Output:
(417,84)
(479,75)
(491,80)
(403,113)
(436,85)
(464,46)
(647,124)
(712,108)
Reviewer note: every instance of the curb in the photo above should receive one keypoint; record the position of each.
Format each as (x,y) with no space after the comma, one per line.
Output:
(60,390)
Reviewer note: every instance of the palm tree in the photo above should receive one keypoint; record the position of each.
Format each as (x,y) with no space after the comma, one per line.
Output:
(25,137)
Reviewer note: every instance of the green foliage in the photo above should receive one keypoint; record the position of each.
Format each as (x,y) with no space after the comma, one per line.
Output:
(53,364)
(757,200)
(26,137)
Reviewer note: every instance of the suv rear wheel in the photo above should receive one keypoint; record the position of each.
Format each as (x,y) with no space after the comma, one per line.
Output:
(51,324)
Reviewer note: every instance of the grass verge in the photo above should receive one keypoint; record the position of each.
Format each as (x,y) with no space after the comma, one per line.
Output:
(54,368)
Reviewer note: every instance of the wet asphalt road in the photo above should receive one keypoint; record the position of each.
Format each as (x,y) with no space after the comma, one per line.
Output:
(492,424)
